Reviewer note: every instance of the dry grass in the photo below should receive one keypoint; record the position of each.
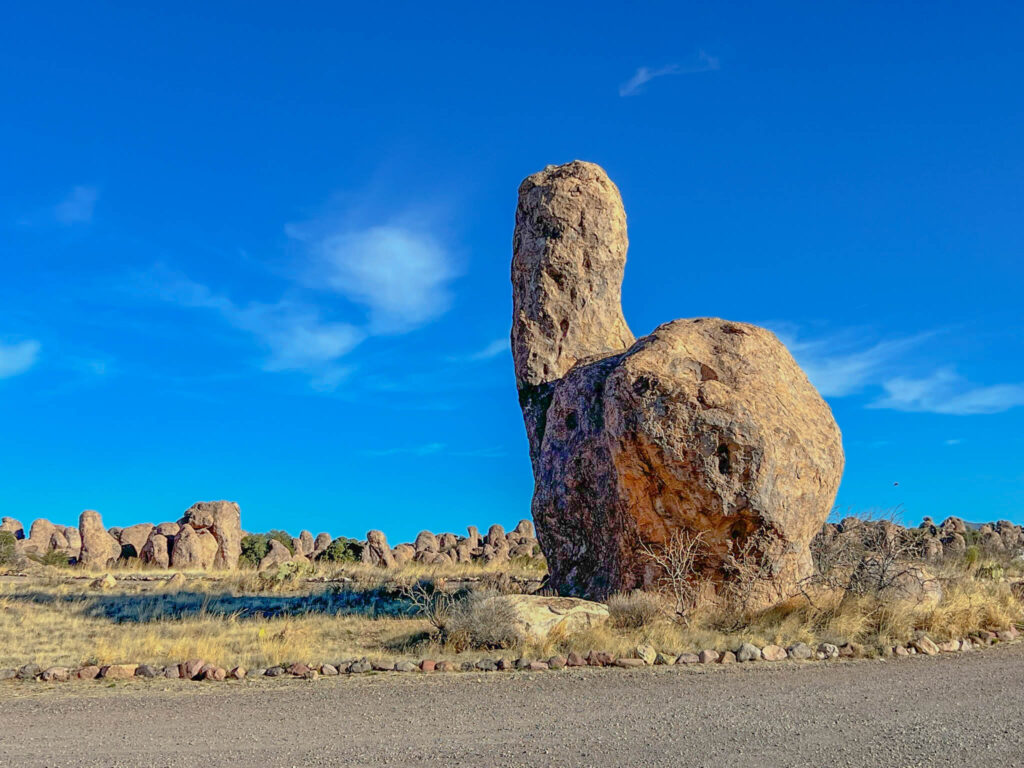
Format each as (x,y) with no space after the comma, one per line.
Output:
(351,611)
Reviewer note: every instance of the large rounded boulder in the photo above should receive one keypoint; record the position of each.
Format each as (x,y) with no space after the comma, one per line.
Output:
(703,427)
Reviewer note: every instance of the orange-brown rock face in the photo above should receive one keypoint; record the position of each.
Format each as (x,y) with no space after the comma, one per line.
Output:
(703,426)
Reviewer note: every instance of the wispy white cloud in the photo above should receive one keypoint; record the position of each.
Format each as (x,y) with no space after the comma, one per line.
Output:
(18,357)
(295,335)
(401,273)
(947,392)
(489,352)
(77,207)
(644,75)
(842,364)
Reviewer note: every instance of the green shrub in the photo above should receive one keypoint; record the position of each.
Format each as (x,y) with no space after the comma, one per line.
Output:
(634,610)
(342,550)
(972,555)
(256,545)
(8,551)
(56,558)
(284,537)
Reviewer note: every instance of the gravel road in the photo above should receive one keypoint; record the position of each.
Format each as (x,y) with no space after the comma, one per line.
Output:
(946,711)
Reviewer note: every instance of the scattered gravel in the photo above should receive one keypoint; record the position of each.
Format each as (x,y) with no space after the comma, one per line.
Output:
(948,710)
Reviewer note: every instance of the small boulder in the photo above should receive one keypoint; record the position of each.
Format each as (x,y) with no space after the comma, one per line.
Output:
(748,652)
(688,658)
(646,654)
(277,554)
(377,552)
(708,656)
(801,651)
(773,653)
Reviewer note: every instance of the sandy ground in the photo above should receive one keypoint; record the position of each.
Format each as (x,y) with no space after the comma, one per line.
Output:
(945,711)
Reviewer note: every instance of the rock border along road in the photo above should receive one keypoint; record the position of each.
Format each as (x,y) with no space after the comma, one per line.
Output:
(950,710)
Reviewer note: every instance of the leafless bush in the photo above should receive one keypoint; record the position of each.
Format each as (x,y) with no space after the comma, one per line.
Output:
(679,564)
(435,605)
(750,569)
(871,555)
(634,610)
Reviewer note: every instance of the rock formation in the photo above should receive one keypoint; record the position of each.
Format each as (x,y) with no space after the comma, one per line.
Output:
(377,552)
(12,526)
(223,520)
(704,426)
(135,536)
(99,548)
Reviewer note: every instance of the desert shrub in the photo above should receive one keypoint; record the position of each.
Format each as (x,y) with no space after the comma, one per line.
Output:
(480,620)
(972,555)
(8,552)
(284,573)
(680,563)
(634,610)
(56,558)
(342,550)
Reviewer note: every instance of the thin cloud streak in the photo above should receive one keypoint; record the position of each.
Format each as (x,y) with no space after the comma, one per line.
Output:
(644,75)
(78,207)
(947,392)
(17,358)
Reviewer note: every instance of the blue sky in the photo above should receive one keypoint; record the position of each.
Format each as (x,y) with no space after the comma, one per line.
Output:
(261,252)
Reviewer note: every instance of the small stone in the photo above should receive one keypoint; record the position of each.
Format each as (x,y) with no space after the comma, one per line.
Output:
(118,671)
(311,674)
(646,654)
(447,666)
(328,670)
(827,651)
(557,662)
(600,659)
(537,666)
(773,653)
(900,650)
(216,674)
(148,671)
(383,666)
(55,674)
(29,671)
(104,582)
(8,673)
(297,669)
(575,660)
(506,665)
(360,667)
(800,651)
(630,663)
(728,657)
(467,666)
(172,672)
(406,666)
(748,652)
(258,672)
(688,658)
(274,672)
(522,663)
(925,645)
(950,646)
(486,665)
(427,665)
(660,660)
(89,672)
(1007,635)
(708,656)
(238,673)
(191,669)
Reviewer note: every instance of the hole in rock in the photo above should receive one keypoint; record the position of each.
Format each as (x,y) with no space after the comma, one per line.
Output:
(724,464)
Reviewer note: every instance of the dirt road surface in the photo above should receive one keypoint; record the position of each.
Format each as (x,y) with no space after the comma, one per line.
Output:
(947,711)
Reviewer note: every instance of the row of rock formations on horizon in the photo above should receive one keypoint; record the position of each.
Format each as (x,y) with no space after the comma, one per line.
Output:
(209,537)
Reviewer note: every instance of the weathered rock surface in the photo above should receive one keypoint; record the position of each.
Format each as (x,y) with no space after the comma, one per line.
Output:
(135,536)
(377,552)
(11,525)
(277,554)
(188,551)
(223,520)
(537,617)
(703,426)
(156,551)
(99,548)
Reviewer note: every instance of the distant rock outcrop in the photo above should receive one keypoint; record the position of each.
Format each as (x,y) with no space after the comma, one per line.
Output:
(223,521)
(99,548)
(703,426)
